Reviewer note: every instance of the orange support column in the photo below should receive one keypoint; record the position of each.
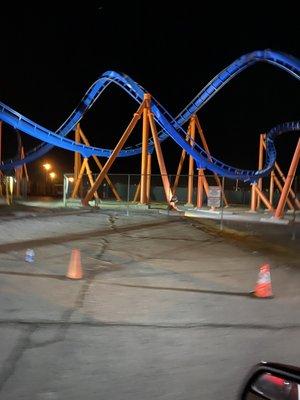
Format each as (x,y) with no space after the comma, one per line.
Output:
(24,165)
(288,182)
(291,192)
(253,198)
(181,161)
(77,157)
(280,187)
(263,198)
(113,156)
(90,176)
(137,192)
(205,146)
(191,164)
(271,190)
(148,177)
(179,169)
(1,173)
(99,165)
(277,182)
(79,179)
(260,163)
(160,159)
(145,137)
(200,188)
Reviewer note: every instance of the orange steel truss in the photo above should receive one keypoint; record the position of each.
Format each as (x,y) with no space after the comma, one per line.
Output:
(277,179)
(288,184)
(1,173)
(202,184)
(20,172)
(148,125)
(82,167)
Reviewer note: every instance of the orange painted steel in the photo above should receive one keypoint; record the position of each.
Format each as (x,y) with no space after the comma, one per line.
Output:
(253,198)
(262,137)
(191,163)
(19,173)
(280,187)
(90,177)
(288,182)
(257,194)
(145,137)
(1,173)
(79,178)
(194,123)
(291,192)
(77,156)
(24,166)
(137,192)
(205,146)
(271,188)
(1,124)
(84,167)
(113,156)
(149,177)
(263,198)
(160,159)
(200,188)
(180,165)
(205,184)
(99,165)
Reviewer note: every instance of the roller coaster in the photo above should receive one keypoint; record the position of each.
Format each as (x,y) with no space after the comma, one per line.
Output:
(170,127)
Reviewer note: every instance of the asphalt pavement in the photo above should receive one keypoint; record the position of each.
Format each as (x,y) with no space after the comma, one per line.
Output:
(164,309)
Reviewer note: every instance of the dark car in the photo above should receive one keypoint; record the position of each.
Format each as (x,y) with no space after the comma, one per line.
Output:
(272,381)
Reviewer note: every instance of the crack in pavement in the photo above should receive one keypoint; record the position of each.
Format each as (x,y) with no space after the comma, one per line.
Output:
(111,324)
(49,241)
(112,221)
(30,275)
(90,276)
(25,342)
(10,364)
(219,292)
(206,241)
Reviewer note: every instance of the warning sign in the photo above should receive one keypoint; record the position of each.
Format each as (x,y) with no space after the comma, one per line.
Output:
(214,196)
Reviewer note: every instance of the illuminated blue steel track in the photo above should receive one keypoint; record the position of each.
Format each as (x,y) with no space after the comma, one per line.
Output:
(170,127)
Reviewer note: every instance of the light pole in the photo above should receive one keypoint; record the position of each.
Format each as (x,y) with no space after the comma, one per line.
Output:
(47,168)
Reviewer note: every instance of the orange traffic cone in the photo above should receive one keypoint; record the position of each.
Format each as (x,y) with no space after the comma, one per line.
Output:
(75,269)
(263,286)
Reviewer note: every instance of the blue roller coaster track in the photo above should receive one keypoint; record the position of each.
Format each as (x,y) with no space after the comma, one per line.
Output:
(170,127)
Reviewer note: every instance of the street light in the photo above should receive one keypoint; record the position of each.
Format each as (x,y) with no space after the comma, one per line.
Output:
(52,175)
(47,167)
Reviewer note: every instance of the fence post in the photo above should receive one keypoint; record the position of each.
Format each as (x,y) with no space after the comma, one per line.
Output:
(294,210)
(128,193)
(65,190)
(222,204)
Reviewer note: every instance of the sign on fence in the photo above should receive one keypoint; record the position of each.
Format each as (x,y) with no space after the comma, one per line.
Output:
(214,196)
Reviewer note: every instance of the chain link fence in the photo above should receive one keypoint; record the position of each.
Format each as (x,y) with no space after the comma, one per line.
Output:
(125,188)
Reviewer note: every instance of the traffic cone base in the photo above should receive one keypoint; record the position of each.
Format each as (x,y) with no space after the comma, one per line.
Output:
(263,288)
(75,269)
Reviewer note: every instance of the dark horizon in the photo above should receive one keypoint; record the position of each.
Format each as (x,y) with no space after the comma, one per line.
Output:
(51,57)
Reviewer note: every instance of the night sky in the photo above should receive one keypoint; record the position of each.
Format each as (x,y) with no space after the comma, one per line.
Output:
(51,54)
